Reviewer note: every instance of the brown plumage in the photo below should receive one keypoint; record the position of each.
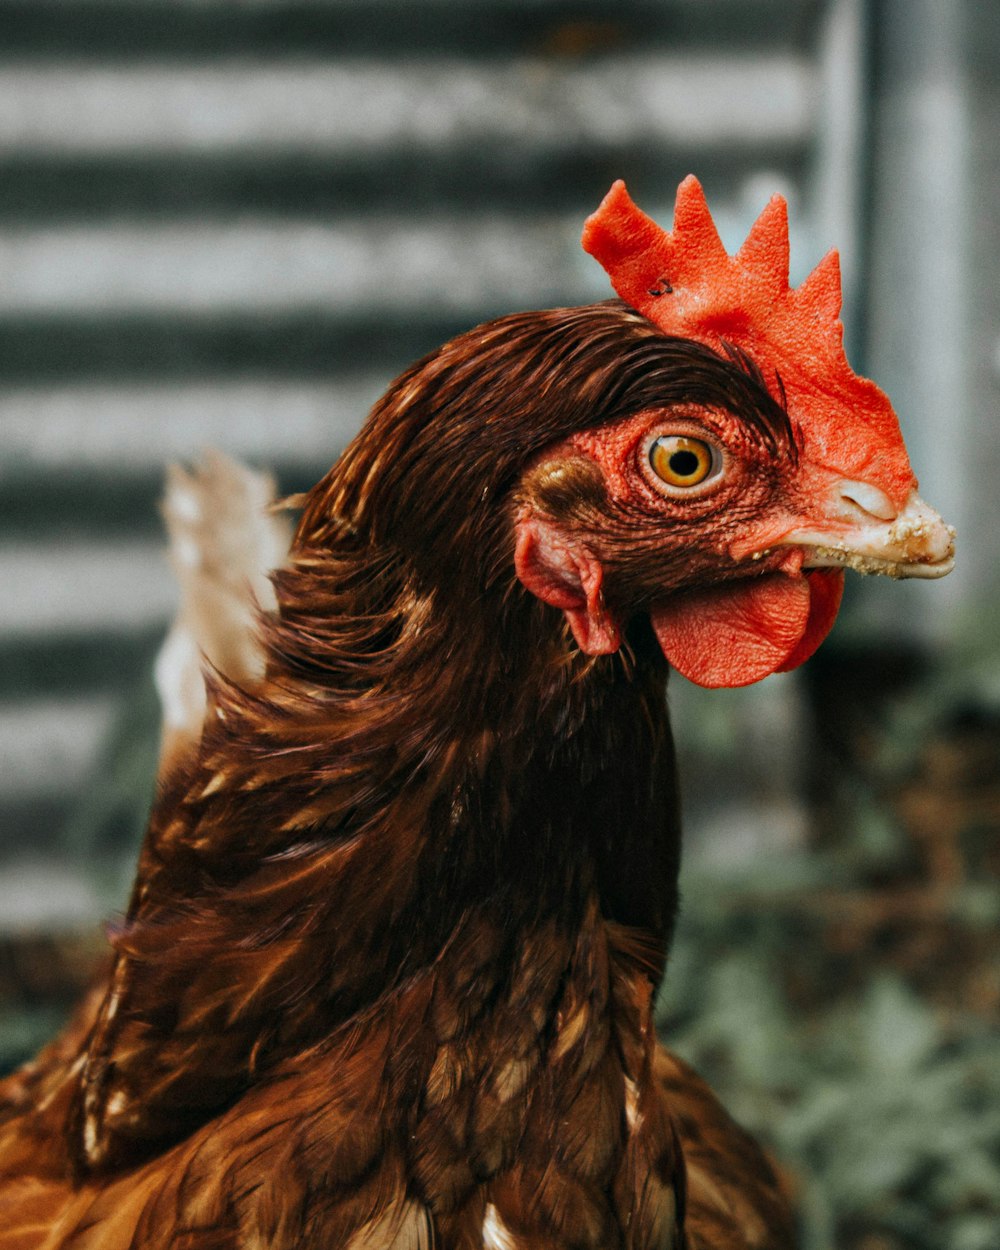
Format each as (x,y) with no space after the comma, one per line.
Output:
(387,972)
(386,975)
(386,978)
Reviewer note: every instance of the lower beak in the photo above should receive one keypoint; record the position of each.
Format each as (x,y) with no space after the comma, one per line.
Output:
(914,543)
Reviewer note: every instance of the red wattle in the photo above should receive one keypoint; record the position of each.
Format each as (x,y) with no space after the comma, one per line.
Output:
(740,632)
(826,589)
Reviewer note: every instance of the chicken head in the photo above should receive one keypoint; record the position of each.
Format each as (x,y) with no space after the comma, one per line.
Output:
(729,518)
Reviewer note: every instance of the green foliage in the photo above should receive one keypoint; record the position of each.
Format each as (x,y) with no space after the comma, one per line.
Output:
(884,1103)
(24,1030)
(110,816)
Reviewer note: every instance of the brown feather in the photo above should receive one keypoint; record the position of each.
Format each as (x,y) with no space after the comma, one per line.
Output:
(386,976)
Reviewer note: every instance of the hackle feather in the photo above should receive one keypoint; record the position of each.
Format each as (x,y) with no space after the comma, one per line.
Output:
(386,977)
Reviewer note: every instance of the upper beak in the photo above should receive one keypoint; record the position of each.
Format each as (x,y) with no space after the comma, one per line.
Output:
(870,535)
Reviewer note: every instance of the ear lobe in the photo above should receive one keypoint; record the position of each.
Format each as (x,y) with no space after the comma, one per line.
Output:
(566,576)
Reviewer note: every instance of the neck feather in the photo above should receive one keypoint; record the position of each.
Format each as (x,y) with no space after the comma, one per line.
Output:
(405,778)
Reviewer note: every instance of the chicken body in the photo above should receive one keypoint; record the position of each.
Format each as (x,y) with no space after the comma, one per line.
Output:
(387,974)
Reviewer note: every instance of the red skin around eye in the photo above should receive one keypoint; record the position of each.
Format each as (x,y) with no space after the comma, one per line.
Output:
(728,634)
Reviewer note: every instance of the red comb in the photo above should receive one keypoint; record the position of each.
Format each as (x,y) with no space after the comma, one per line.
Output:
(686,283)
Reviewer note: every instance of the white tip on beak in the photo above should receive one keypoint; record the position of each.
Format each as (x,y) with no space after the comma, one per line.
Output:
(914,542)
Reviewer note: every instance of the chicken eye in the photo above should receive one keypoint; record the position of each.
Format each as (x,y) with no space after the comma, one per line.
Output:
(681,461)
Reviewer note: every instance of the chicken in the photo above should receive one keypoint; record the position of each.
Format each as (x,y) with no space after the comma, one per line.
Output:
(386,976)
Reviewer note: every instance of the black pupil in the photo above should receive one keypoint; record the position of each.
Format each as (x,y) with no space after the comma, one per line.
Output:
(684,463)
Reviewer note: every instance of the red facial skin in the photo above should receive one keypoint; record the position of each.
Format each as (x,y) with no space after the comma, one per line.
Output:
(737,631)
(722,617)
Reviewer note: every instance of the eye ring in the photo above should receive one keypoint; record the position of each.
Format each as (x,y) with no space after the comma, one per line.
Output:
(681,462)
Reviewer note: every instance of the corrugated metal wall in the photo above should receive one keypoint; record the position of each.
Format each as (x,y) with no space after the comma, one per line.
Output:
(230,224)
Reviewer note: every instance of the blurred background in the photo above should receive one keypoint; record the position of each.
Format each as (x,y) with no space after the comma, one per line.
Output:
(230,223)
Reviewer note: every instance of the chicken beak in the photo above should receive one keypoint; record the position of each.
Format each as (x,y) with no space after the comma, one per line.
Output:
(870,535)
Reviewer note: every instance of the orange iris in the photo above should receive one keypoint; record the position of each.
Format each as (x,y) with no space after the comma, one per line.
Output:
(681,461)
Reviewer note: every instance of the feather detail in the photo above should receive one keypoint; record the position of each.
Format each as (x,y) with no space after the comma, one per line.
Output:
(225,538)
(736,1199)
